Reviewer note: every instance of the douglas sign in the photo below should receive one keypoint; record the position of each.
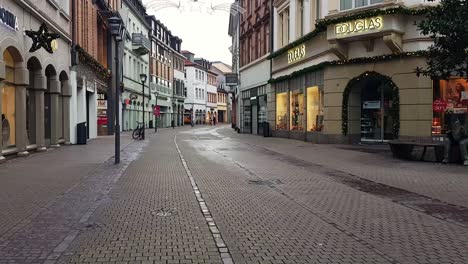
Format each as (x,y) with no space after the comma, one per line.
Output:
(359,26)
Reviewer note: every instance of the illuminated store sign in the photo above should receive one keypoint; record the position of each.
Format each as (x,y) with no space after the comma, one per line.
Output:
(8,19)
(359,26)
(296,53)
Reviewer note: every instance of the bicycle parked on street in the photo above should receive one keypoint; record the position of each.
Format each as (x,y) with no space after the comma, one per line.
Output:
(138,131)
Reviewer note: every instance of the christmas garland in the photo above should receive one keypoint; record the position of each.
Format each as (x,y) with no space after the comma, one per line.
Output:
(91,62)
(321,26)
(420,53)
(395,111)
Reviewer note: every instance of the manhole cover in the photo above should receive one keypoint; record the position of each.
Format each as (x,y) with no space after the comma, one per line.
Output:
(164,212)
(265,182)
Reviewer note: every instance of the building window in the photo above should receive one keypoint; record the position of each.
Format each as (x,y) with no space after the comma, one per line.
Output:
(296,110)
(300,18)
(314,108)
(8,103)
(454,94)
(283,30)
(350,4)
(282,111)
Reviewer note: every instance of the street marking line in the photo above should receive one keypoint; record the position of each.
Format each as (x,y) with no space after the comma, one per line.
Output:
(217,238)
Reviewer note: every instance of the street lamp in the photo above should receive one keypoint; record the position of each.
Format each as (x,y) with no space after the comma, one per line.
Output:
(143,80)
(117,31)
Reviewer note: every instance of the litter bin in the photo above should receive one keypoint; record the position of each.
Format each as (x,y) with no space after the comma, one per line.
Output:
(266,129)
(81,137)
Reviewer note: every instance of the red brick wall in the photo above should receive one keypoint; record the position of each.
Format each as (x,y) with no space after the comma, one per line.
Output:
(254,30)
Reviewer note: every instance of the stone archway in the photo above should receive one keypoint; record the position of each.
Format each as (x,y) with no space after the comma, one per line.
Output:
(64,102)
(35,103)
(14,80)
(361,118)
(51,107)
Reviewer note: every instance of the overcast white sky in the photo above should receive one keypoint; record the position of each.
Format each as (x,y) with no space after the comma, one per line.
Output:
(202,33)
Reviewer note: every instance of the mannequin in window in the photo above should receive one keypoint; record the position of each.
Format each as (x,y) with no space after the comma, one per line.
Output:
(5,130)
(458,135)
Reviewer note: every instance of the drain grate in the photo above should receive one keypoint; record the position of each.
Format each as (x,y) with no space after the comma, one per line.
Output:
(164,212)
(266,182)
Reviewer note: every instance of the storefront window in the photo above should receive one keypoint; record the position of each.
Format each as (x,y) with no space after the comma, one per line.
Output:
(450,104)
(282,111)
(297,110)
(8,104)
(314,108)
(31,116)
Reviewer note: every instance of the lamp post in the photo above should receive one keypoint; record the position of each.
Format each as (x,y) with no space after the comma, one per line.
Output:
(117,31)
(143,80)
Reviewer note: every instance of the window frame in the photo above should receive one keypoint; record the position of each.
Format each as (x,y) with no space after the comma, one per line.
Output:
(353,4)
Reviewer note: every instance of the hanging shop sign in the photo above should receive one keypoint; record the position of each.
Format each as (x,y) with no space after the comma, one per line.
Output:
(359,26)
(8,19)
(296,53)
(232,79)
(157,110)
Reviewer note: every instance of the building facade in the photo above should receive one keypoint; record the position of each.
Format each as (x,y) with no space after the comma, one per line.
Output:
(211,98)
(196,84)
(162,72)
(224,92)
(234,33)
(35,85)
(343,71)
(255,68)
(92,65)
(179,92)
(135,62)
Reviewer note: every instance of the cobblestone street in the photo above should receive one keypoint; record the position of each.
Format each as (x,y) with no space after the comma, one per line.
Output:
(210,195)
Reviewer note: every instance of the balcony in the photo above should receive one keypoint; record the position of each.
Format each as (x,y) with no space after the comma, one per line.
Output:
(140,44)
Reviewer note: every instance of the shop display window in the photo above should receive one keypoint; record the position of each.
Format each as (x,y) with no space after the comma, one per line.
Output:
(450,104)
(8,104)
(282,111)
(314,108)
(297,110)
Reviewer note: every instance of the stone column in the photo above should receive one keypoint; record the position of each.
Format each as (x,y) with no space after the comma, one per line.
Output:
(54,115)
(40,87)
(66,93)
(21,83)
(2,77)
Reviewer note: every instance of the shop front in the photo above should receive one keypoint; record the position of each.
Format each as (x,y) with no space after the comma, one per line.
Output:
(254,114)
(299,106)
(351,83)
(35,89)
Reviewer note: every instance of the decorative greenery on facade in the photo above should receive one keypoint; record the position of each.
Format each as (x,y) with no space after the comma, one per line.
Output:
(395,110)
(420,53)
(91,62)
(321,26)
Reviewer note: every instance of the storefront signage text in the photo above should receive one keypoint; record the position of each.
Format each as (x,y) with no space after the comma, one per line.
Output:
(359,26)
(8,19)
(439,106)
(296,53)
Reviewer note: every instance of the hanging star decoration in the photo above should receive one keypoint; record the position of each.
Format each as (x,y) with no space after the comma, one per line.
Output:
(42,38)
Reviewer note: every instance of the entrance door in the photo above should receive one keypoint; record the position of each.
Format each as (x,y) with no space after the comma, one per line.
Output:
(254,119)
(88,98)
(376,105)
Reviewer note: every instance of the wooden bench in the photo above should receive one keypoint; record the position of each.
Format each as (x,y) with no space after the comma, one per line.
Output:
(404,149)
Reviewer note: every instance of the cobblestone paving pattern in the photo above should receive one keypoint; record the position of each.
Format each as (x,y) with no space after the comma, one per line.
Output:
(308,215)
(151,216)
(44,235)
